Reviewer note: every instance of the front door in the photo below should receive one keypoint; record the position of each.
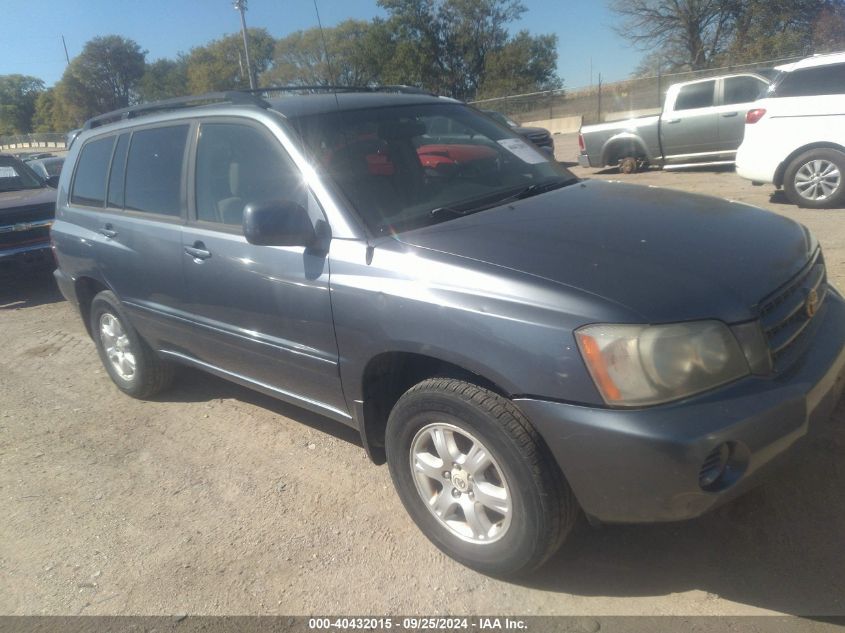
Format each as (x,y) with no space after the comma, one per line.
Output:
(689,131)
(259,313)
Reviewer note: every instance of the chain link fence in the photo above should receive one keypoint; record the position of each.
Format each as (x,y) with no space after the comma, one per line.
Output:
(611,101)
(35,141)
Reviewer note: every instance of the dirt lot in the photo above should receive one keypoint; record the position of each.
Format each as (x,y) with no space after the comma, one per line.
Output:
(216,500)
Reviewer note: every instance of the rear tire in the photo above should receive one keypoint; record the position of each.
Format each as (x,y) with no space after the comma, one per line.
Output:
(497,502)
(132,365)
(816,179)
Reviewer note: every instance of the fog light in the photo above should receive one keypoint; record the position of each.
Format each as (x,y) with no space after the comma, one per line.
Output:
(723,466)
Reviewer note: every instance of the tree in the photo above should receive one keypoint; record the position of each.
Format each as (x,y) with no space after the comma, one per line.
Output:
(691,33)
(525,64)
(829,29)
(18,94)
(164,79)
(221,64)
(769,29)
(42,119)
(355,56)
(449,46)
(105,74)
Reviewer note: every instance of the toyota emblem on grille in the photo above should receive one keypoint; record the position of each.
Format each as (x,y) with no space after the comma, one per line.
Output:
(811,306)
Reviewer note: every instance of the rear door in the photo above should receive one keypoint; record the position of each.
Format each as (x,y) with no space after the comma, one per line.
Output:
(737,97)
(259,313)
(139,233)
(689,131)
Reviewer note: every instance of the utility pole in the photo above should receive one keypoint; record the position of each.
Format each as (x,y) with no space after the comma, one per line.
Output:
(240,5)
(67,57)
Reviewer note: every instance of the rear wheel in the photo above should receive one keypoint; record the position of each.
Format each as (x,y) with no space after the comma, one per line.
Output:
(476,477)
(815,179)
(129,361)
(629,165)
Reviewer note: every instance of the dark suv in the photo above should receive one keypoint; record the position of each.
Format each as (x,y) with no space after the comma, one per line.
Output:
(517,344)
(27,206)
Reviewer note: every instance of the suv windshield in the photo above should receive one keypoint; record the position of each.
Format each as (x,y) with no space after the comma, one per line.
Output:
(404,167)
(15,176)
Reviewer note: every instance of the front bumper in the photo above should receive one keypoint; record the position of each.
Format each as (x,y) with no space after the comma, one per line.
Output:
(635,466)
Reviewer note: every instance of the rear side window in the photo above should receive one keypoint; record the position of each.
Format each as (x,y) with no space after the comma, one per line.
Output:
(240,164)
(89,183)
(743,90)
(698,95)
(810,82)
(154,170)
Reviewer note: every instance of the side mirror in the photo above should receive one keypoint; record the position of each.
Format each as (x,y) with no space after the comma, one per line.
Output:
(278,223)
(52,181)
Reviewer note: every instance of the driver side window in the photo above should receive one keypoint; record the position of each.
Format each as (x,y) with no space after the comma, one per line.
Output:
(237,165)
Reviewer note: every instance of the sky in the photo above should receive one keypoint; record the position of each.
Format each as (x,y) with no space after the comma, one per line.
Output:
(31,37)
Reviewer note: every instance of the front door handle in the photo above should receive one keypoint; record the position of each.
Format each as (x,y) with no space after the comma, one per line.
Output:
(729,114)
(108,231)
(198,251)
(673,120)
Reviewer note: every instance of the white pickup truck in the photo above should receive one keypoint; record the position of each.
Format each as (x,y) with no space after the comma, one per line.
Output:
(702,123)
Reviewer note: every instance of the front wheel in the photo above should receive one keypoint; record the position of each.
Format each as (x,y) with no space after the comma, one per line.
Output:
(476,477)
(815,179)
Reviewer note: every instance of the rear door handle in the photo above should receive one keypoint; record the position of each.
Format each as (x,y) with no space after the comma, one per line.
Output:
(198,251)
(729,114)
(108,231)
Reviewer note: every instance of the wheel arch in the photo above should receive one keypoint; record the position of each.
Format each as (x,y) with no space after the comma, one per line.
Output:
(780,172)
(621,146)
(86,289)
(387,376)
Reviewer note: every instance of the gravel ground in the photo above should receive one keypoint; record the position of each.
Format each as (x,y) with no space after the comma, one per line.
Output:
(213,499)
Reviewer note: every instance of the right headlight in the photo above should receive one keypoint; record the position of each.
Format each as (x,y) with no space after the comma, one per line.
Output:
(638,365)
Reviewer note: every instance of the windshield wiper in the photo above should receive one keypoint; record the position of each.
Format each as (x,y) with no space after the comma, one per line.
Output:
(450,210)
(535,189)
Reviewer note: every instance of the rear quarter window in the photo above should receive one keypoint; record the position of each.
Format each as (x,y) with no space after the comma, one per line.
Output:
(812,82)
(154,170)
(89,182)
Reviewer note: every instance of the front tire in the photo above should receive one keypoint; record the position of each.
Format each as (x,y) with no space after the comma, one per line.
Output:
(816,179)
(476,477)
(129,361)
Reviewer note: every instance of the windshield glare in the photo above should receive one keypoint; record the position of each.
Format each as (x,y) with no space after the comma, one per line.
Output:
(400,167)
(15,176)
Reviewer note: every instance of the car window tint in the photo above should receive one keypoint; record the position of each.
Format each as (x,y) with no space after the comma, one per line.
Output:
(743,90)
(238,165)
(809,82)
(89,184)
(698,95)
(154,170)
(118,171)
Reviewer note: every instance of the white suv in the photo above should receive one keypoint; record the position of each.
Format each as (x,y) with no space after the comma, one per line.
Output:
(795,135)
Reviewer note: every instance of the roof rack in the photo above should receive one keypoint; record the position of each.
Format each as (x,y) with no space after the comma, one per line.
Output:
(386,88)
(233,96)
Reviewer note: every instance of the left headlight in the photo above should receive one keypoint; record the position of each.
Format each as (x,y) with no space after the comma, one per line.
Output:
(638,365)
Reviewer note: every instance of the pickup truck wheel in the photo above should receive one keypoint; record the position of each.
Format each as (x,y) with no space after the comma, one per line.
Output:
(129,361)
(815,179)
(476,478)
(629,165)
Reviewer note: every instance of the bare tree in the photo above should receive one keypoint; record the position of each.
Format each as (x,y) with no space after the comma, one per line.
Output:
(692,32)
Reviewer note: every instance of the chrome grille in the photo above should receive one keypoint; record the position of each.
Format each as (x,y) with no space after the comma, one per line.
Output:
(784,315)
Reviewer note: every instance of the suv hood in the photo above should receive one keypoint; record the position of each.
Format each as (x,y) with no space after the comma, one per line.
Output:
(26,198)
(666,255)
